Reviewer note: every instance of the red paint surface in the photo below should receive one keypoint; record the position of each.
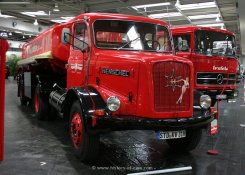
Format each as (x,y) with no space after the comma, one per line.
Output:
(3,49)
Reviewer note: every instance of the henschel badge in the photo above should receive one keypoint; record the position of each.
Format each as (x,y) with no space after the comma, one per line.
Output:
(174,82)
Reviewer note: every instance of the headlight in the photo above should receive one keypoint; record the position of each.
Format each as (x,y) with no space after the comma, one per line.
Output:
(113,103)
(235,93)
(205,101)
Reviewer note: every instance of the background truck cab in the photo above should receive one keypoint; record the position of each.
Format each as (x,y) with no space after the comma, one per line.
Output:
(105,72)
(213,53)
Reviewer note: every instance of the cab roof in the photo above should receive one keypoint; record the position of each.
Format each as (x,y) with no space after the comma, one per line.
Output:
(94,16)
(190,29)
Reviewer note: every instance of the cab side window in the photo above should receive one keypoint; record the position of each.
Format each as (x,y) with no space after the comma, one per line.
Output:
(80,36)
(182,43)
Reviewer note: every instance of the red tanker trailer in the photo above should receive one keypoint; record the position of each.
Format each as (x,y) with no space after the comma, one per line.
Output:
(105,72)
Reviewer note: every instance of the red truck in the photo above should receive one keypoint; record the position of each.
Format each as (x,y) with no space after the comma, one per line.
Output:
(213,53)
(104,72)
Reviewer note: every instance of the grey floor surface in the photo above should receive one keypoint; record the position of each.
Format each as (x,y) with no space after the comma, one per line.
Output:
(42,148)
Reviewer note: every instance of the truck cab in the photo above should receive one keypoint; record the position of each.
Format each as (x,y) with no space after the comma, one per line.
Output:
(110,72)
(213,53)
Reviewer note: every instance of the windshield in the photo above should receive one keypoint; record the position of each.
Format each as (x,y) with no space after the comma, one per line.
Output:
(215,43)
(131,35)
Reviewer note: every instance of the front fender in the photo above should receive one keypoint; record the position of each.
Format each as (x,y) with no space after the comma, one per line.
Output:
(90,100)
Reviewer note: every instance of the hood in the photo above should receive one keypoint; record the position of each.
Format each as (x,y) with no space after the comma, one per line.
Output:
(133,77)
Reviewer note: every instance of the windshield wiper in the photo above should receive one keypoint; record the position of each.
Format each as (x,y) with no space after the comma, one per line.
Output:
(128,43)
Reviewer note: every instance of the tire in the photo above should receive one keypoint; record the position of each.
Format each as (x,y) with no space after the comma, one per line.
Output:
(23,99)
(41,105)
(190,142)
(85,146)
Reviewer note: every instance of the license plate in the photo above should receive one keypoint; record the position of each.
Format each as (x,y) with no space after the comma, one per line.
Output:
(171,134)
(221,97)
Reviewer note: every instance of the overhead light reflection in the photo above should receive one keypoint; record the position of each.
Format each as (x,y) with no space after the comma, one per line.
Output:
(35,23)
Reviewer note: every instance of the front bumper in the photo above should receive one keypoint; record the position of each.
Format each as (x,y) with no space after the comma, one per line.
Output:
(117,123)
(212,93)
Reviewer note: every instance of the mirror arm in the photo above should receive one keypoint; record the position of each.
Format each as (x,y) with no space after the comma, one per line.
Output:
(83,50)
(66,37)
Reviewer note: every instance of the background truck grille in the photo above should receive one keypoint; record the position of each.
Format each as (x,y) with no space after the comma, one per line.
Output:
(167,94)
(215,79)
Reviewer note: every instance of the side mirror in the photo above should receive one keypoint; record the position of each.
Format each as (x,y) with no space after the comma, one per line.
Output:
(183,46)
(65,35)
(4,35)
(180,43)
(209,52)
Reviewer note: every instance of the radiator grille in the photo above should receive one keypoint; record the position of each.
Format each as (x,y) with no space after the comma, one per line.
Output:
(171,79)
(216,79)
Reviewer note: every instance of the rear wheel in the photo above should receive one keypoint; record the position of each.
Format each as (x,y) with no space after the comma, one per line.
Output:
(23,99)
(190,142)
(86,146)
(41,104)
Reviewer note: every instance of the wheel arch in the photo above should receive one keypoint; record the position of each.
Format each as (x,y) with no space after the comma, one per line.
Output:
(89,99)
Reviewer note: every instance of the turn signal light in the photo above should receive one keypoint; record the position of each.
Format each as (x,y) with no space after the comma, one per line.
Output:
(212,109)
(99,113)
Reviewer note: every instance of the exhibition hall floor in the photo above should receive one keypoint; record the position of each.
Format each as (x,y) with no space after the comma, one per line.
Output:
(43,148)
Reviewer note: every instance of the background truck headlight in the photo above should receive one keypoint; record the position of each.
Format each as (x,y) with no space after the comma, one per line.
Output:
(235,93)
(205,101)
(113,103)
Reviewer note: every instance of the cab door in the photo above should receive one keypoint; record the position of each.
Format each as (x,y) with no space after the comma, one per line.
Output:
(77,63)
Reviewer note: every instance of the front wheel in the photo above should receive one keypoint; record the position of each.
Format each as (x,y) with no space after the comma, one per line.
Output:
(190,142)
(85,146)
